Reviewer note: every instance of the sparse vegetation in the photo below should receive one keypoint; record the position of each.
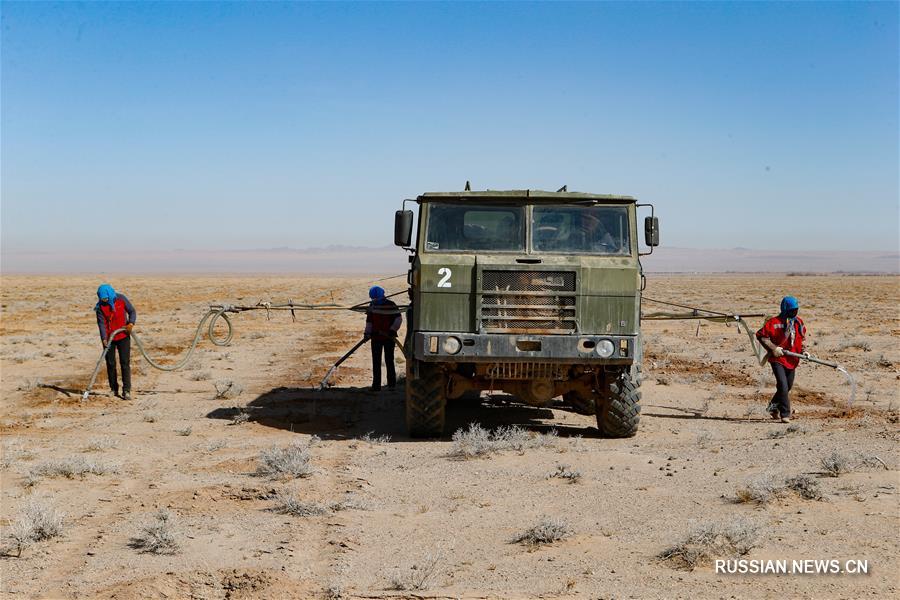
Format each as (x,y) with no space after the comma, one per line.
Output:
(290,461)
(371,438)
(476,441)
(419,575)
(567,473)
(214,445)
(159,536)
(226,388)
(761,490)
(859,344)
(72,467)
(240,417)
(546,531)
(98,444)
(37,520)
(786,431)
(14,451)
(804,486)
(150,416)
(184,431)
(709,540)
(837,463)
(766,488)
(288,504)
(200,376)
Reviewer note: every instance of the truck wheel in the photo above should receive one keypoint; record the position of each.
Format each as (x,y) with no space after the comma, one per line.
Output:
(583,405)
(426,402)
(619,414)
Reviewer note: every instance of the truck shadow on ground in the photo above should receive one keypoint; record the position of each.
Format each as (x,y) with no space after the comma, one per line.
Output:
(350,412)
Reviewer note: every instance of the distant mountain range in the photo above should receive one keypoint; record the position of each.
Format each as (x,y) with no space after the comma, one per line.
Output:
(389,260)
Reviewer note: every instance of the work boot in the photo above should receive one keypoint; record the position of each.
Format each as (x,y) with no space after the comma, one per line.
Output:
(785,419)
(774,414)
(126,396)
(115,393)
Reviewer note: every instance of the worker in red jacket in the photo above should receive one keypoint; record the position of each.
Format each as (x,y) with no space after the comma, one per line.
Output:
(383,320)
(114,312)
(784,332)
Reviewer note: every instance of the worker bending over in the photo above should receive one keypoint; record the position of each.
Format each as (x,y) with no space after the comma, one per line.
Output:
(114,311)
(383,321)
(784,332)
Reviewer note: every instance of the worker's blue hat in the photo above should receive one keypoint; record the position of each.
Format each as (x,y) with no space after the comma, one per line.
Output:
(789,303)
(376,292)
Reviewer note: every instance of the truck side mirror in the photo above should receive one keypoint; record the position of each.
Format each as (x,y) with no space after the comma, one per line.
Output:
(651,231)
(403,221)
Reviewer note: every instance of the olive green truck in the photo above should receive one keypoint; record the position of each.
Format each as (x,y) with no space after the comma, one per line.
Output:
(534,293)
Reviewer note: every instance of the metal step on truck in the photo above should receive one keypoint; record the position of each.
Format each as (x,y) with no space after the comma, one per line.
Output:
(534,293)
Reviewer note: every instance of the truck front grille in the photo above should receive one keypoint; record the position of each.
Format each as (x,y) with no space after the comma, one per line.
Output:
(527,301)
(524,371)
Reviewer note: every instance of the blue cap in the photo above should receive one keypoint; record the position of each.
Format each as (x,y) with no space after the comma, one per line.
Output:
(789,303)
(376,292)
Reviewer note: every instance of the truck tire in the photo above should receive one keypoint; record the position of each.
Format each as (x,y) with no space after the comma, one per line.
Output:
(426,401)
(583,405)
(619,414)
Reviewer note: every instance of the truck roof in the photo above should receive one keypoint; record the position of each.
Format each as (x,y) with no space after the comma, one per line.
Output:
(519,195)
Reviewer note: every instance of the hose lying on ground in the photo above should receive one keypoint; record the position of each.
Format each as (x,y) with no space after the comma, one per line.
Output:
(212,316)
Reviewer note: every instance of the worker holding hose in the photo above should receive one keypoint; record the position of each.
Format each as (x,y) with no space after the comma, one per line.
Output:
(383,321)
(114,312)
(779,334)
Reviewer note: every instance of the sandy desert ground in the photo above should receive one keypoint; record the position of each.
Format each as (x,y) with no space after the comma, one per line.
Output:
(388,512)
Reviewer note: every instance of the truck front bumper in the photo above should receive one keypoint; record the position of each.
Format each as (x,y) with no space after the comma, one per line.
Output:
(436,346)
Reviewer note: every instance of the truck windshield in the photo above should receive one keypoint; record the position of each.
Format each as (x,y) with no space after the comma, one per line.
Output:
(475,227)
(581,230)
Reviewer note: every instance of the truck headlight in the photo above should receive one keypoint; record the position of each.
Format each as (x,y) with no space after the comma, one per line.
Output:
(451,345)
(605,348)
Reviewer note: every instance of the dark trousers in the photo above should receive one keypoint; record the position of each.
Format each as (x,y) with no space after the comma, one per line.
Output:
(123,346)
(385,347)
(784,381)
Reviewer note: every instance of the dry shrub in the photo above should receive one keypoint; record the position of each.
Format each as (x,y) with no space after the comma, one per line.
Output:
(804,486)
(287,503)
(290,461)
(376,440)
(417,576)
(14,451)
(762,490)
(546,531)
(226,388)
(72,467)
(709,540)
(859,344)
(837,463)
(567,473)
(98,444)
(476,441)
(766,488)
(37,520)
(158,536)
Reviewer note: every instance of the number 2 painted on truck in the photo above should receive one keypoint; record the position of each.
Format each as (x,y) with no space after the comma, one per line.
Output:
(445,280)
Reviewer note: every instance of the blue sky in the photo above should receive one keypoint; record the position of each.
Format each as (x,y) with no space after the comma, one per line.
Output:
(251,125)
